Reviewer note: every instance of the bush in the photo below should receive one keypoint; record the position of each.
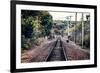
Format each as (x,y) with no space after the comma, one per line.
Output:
(24,43)
(87,41)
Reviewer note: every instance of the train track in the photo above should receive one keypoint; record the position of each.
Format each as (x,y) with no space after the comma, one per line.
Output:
(57,52)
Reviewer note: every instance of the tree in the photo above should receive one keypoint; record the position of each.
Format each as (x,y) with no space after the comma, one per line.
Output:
(34,24)
(46,22)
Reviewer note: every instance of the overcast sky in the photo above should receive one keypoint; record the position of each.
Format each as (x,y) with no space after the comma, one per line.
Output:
(63,15)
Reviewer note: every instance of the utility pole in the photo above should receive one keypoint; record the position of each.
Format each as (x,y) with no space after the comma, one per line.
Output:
(75,27)
(82,31)
(68,23)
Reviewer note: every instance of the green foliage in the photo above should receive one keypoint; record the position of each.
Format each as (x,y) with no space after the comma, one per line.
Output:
(34,24)
(79,27)
(86,36)
(27,30)
(57,31)
(46,22)
(24,43)
(29,13)
(87,41)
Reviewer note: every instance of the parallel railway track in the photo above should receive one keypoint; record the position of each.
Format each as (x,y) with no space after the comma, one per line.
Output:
(57,52)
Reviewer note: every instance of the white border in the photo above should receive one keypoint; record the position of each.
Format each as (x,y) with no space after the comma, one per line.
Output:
(20,65)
